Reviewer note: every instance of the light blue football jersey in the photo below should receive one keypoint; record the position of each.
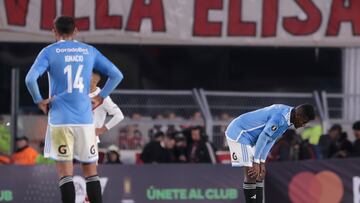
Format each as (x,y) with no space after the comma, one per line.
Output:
(69,65)
(260,128)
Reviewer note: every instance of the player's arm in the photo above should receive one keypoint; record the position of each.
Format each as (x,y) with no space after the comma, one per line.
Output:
(40,65)
(106,67)
(266,151)
(113,110)
(266,138)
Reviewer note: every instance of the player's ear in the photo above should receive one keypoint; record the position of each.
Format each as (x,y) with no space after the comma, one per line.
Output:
(75,31)
(55,33)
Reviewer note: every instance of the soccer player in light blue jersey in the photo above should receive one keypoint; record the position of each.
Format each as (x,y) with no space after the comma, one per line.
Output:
(71,133)
(251,136)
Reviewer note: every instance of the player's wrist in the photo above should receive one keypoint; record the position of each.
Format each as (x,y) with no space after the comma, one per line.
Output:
(257,161)
(106,128)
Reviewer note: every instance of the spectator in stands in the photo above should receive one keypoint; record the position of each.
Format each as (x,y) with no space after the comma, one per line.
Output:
(195,120)
(226,119)
(155,151)
(130,137)
(356,146)
(287,148)
(328,143)
(24,154)
(4,137)
(173,128)
(180,148)
(4,159)
(157,128)
(113,155)
(306,150)
(199,149)
(40,159)
(344,146)
(313,134)
(169,142)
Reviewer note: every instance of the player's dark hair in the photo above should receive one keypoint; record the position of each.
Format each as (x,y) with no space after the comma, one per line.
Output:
(308,111)
(65,25)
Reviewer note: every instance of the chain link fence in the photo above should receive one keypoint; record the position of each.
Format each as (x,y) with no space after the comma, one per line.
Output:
(225,106)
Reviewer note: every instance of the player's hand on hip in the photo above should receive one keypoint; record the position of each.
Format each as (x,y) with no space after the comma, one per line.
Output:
(254,171)
(262,171)
(44,105)
(96,101)
(100,131)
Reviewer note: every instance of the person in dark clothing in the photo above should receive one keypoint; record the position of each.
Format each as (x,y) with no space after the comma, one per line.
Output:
(199,150)
(327,143)
(287,148)
(356,145)
(306,151)
(181,148)
(156,151)
(344,146)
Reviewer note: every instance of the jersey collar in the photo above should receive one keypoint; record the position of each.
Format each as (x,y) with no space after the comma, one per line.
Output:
(95,93)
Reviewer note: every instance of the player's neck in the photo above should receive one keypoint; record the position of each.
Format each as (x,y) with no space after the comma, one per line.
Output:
(65,38)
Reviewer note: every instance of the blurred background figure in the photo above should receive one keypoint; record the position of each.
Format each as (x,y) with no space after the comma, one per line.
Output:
(24,154)
(312,133)
(199,150)
(287,148)
(344,146)
(181,148)
(328,142)
(356,146)
(113,155)
(157,128)
(155,151)
(5,137)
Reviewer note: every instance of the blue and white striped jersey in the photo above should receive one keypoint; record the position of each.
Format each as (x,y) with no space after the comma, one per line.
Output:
(260,128)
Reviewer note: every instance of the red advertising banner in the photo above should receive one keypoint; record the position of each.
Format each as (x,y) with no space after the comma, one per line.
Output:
(330,181)
(201,22)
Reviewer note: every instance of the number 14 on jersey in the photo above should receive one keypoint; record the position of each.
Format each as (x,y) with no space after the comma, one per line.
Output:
(78,83)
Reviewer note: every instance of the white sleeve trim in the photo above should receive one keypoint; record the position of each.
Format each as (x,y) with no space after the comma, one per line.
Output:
(257,161)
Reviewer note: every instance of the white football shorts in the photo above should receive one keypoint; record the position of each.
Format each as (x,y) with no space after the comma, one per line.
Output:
(241,155)
(65,143)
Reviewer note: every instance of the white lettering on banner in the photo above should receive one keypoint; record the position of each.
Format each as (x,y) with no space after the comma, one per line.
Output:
(211,22)
(356,189)
(74,58)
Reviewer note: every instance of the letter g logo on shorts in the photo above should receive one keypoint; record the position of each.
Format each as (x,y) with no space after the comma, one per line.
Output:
(62,149)
(92,149)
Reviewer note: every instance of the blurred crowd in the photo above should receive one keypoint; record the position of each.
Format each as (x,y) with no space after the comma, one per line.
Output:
(312,144)
(168,142)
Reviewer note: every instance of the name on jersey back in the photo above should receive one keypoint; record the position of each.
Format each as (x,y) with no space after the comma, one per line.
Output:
(74,58)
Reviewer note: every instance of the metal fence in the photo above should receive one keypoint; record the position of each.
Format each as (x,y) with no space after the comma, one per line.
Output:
(215,109)
(224,106)
(171,111)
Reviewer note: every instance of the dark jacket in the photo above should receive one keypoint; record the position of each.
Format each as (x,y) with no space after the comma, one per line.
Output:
(197,152)
(154,153)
